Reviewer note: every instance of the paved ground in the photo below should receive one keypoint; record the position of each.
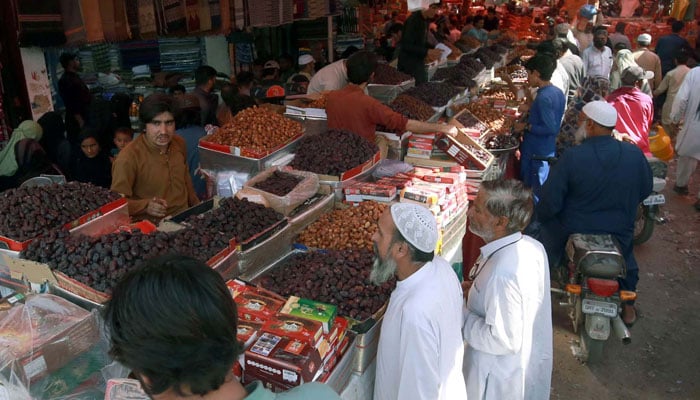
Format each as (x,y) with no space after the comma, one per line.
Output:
(663,360)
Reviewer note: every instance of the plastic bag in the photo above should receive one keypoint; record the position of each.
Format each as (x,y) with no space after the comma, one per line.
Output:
(51,349)
(286,204)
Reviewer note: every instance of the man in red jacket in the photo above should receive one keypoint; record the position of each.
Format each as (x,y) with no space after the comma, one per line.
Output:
(635,109)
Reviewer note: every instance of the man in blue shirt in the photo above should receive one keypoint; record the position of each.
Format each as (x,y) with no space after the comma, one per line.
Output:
(596,188)
(543,125)
(669,45)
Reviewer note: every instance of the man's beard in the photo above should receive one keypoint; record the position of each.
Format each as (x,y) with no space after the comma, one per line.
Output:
(382,270)
(599,44)
(485,233)
(580,135)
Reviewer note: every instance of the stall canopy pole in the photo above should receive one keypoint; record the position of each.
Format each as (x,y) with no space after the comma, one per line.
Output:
(330,39)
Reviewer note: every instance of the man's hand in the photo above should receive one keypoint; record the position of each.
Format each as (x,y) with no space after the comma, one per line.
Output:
(434,54)
(157,207)
(519,126)
(466,286)
(451,130)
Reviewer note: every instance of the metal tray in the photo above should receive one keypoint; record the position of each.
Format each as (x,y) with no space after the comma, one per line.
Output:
(339,378)
(220,161)
(310,211)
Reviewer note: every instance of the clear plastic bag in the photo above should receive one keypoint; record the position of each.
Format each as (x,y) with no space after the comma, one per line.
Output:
(51,349)
(285,204)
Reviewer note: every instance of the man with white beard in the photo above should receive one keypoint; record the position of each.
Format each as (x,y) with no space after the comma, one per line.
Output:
(591,189)
(420,345)
(508,323)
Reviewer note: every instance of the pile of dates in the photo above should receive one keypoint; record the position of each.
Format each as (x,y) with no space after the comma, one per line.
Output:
(412,108)
(497,121)
(333,152)
(498,93)
(28,212)
(350,228)
(487,56)
(236,218)
(436,94)
(388,75)
(279,183)
(320,102)
(258,129)
(455,76)
(101,262)
(480,154)
(469,121)
(500,142)
(335,277)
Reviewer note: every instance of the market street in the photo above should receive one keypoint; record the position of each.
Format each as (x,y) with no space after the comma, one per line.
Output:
(662,360)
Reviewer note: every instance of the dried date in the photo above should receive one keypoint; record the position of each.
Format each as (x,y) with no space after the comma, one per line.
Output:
(333,152)
(436,94)
(279,183)
(258,129)
(412,108)
(351,228)
(388,75)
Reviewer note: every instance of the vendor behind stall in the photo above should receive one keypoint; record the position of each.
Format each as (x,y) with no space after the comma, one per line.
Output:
(353,110)
(151,171)
(414,42)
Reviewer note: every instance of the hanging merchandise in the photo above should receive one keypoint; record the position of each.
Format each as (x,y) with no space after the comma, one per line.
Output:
(147,18)
(240,17)
(175,20)
(37,79)
(40,23)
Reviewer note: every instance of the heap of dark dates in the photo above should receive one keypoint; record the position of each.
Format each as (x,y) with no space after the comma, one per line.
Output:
(335,277)
(388,75)
(101,262)
(412,108)
(487,56)
(236,218)
(455,76)
(28,212)
(279,183)
(499,142)
(436,94)
(333,152)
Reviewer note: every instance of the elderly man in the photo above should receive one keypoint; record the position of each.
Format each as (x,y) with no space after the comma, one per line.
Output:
(420,345)
(151,171)
(635,109)
(647,59)
(598,59)
(508,323)
(602,197)
(184,358)
(686,107)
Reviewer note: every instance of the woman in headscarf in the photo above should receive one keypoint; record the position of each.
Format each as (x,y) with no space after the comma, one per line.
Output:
(54,141)
(623,60)
(592,89)
(92,164)
(22,156)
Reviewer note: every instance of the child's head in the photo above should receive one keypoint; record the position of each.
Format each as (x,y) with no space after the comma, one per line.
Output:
(122,137)
(89,144)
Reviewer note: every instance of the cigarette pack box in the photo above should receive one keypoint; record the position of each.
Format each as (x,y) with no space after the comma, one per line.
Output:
(313,310)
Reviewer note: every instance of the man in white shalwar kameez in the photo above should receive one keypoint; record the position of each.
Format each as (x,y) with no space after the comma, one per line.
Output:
(686,109)
(420,345)
(508,322)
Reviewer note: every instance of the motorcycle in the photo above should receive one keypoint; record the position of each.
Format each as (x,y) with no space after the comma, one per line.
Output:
(589,277)
(648,210)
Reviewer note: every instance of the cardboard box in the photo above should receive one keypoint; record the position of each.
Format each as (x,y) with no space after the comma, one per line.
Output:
(313,310)
(282,361)
(248,331)
(257,308)
(462,148)
(296,328)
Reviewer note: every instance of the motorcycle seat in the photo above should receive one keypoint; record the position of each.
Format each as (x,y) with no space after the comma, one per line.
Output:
(596,256)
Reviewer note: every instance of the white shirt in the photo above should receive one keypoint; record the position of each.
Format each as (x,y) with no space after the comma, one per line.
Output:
(331,77)
(671,84)
(685,107)
(420,346)
(508,323)
(597,62)
(560,79)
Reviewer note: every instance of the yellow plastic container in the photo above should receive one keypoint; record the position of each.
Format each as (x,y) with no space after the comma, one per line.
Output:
(660,144)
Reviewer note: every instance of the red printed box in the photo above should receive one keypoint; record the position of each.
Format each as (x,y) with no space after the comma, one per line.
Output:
(285,361)
(297,328)
(254,307)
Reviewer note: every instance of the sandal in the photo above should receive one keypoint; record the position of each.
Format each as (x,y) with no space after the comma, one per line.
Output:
(626,307)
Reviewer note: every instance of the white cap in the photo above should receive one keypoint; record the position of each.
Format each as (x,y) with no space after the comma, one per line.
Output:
(305,59)
(644,38)
(602,113)
(417,224)
(416,5)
